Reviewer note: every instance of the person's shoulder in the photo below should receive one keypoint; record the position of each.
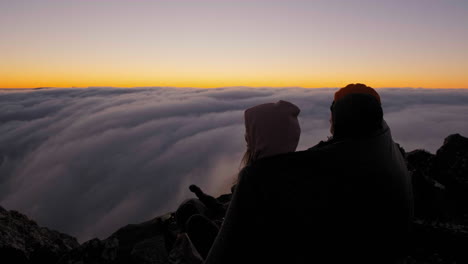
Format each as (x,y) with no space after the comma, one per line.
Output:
(320,145)
(267,166)
(327,147)
(289,163)
(277,161)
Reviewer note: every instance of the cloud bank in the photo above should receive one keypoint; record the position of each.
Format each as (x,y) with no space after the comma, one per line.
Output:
(87,161)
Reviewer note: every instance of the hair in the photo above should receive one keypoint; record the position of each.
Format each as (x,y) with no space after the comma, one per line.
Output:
(247,158)
(356,115)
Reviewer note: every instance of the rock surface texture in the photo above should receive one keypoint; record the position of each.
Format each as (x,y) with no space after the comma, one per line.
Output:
(23,241)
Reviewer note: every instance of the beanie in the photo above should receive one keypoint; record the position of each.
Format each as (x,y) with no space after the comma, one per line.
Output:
(357,88)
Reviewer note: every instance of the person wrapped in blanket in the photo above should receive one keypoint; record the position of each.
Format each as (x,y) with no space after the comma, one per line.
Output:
(271,129)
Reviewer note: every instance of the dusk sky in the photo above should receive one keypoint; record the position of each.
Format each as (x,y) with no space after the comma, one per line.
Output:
(398,43)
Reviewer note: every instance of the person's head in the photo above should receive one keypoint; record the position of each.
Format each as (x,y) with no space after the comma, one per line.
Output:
(271,129)
(356,111)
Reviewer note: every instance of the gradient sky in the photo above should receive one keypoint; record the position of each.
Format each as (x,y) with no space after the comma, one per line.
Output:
(398,43)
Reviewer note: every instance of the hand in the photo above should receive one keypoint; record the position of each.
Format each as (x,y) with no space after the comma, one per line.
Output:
(195,189)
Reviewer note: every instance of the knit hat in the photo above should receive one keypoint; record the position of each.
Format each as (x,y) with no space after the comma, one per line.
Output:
(356,111)
(272,129)
(357,88)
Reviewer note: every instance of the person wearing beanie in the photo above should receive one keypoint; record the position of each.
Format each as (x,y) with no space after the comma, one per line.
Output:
(356,111)
(372,180)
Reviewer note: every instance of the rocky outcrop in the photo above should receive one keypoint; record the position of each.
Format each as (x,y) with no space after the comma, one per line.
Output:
(440,186)
(144,243)
(429,194)
(450,168)
(438,242)
(440,183)
(23,241)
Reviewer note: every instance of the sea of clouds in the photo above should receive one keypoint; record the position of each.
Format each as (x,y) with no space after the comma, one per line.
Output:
(86,161)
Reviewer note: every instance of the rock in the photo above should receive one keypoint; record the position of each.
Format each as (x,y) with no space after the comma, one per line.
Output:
(93,251)
(440,181)
(136,243)
(429,195)
(23,241)
(440,186)
(149,251)
(451,161)
(419,161)
(445,240)
(450,167)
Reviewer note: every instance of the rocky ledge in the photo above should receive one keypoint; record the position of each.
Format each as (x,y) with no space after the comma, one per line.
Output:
(440,183)
(23,241)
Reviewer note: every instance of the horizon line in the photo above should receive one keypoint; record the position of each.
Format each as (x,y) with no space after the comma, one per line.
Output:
(218,87)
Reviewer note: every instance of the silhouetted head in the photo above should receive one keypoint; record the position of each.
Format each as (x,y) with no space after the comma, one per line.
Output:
(355,112)
(271,129)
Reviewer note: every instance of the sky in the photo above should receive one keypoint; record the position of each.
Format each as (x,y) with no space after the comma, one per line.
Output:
(89,161)
(217,43)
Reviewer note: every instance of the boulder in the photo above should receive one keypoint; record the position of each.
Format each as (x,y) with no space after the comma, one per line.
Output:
(429,195)
(143,243)
(23,241)
(450,167)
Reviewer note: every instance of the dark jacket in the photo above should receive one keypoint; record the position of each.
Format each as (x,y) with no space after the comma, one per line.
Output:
(340,202)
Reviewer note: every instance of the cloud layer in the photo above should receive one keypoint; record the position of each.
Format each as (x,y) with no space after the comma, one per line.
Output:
(87,161)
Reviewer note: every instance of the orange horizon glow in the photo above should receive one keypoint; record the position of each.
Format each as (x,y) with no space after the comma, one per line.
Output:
(227,86)
(227,76)
(214,82)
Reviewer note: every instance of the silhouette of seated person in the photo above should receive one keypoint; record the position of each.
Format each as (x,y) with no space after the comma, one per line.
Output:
(271,129)
(345,200)
(199,219)
(216,209)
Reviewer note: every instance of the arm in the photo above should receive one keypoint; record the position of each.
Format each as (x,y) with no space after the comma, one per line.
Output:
(234,243)
(209,201)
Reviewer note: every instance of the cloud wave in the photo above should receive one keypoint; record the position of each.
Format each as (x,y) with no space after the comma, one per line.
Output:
(87,161)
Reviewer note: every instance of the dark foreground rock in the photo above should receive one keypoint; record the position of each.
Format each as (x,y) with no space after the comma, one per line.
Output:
(440,187)
(438,242)
(23,241)
(144,243)
(440,183)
